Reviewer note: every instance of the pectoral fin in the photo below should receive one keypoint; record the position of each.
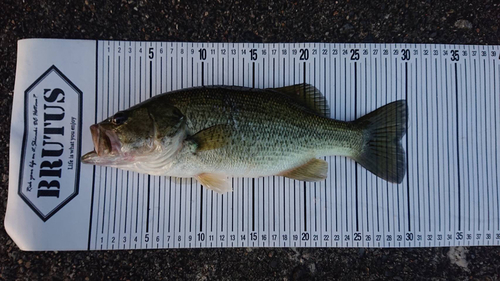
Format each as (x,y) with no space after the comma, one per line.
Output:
(314,170)
(216,182)
(211,138)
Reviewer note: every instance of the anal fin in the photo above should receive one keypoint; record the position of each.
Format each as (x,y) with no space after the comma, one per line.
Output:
(215,182)
(314,170)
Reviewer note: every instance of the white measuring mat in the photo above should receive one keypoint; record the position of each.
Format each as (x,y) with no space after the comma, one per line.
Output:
(450,195)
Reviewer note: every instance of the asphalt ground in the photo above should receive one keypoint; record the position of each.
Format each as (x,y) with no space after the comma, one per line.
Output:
(460,22)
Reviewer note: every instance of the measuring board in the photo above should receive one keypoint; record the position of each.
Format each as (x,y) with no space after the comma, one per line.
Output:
(450,195)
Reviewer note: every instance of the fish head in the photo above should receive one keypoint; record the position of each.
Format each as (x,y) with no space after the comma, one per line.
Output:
(131,136)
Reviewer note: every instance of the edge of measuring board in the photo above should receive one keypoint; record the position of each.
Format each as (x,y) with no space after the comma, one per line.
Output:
(433,207)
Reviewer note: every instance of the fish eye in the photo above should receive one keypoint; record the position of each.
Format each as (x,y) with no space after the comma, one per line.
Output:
(119,118)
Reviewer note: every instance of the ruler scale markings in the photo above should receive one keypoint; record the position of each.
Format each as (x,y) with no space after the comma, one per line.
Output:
(211,213)
(364,171)
(387,183)
(91,216)
(190,212)
(465,206)
(312,193)
(286,188)
(149,176)
(467,145)
(408,199)
(424,130)
(447,101)
(128,173)
(417,155)
(422,134)
(343,168)
(433,168)
(477,151)
(413,237)
(116,175)
(129,93)
(429,132)
(121,105)
(181,186)
(159,90)
(460,214)
(404,191)
(241,209)
(486,145)
(407,96)
(116,197)
(491,132)
(164,186)
(495,106)
(325,197)
(482,148)
(458,147)
(380,193)
(212,82)
(474,139)
(396,205)
(374,105)
(111,88)
(438,145)
(356,186)
(390,193)
(304,75)
(347,165)
(445,145)
(221,72)
(339,230)
(495,93)
(316,197)
(430,139)
(106,168)
(253,204)
(384,185)
(138,176)
(294,209)
(491,77)
(397,187)
(232,207)
(468,135)
(392,189)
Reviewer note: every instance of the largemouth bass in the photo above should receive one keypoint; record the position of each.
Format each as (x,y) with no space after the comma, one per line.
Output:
(212,133)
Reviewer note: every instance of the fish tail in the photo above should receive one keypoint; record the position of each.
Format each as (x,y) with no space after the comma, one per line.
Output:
(382,152)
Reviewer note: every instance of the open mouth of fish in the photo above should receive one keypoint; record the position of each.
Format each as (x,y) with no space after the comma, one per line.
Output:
(106,144)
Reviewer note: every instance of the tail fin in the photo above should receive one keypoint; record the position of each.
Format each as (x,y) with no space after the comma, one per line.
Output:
(382,153)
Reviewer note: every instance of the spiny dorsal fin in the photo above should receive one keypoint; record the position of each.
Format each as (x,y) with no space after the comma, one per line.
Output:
(210,138)
(307,95)
(314,170)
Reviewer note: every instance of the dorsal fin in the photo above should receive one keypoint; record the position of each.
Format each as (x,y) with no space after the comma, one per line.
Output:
(307,95)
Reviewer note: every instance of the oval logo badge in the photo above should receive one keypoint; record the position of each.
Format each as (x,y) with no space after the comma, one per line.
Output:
(50,165)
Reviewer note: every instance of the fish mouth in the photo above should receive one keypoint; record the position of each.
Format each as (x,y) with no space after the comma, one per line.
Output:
(106,144)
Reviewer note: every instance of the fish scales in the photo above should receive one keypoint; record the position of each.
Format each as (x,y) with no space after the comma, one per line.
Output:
(272,132)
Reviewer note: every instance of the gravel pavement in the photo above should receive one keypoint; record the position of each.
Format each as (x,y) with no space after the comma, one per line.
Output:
(461,22)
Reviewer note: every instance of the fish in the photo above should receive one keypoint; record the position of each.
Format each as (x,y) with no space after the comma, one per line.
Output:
(213,133)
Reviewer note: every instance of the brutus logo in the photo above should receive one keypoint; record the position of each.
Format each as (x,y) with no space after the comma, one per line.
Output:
(50,163)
